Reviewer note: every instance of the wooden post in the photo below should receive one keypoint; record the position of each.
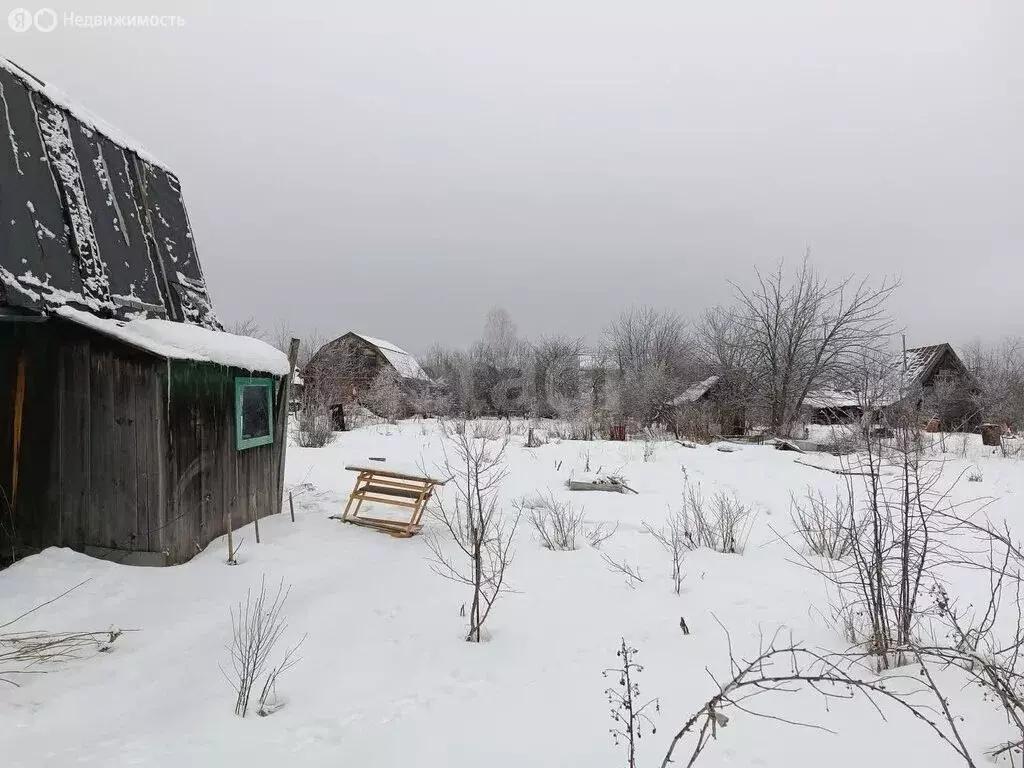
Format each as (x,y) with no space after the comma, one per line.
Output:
(231,542)
(19,412)
(282,418)
(256,518)
(291,505)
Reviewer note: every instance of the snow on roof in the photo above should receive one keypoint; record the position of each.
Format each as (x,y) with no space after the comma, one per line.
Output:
(920,360)
(694,392)
(830,398)
(180,341)
(62,100)
(401,360)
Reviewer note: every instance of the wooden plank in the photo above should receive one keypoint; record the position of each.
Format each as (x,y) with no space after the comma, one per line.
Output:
(389,473)
(281,434)
(101,501)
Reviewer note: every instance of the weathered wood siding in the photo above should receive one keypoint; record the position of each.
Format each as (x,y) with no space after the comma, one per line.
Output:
(212,485)
(122,450)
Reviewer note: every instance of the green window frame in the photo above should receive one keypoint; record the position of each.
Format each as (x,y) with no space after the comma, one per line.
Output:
(242,387)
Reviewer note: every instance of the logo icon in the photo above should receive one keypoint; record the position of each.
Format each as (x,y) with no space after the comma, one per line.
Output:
(45,20)
(20,20)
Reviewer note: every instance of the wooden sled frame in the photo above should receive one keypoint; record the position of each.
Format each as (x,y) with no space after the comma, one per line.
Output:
(382,486)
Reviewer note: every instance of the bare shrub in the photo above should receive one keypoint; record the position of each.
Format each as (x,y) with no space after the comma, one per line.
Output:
(598,534)
(722,524)
(899,538)
(674,539)
(826,527)
(385,396)
(631,573)
(473,520)
(558,523)
(782,668)
(975,476)
(314,427)
(30,652)
(650,448)
(256,626)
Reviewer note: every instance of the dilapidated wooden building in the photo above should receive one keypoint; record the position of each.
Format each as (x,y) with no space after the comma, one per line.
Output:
(342,370)
(131,425)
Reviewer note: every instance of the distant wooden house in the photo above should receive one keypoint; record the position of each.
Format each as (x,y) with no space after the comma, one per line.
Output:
(930,381)
(132,427)
(827,406)
(937,383)
(344,369)
(705,408)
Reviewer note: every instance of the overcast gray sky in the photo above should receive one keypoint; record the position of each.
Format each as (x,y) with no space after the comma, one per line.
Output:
(400,167)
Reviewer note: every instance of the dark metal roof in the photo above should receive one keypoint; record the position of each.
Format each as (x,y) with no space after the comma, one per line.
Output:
(87,219)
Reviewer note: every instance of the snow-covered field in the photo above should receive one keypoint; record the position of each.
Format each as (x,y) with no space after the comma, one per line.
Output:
(385,678)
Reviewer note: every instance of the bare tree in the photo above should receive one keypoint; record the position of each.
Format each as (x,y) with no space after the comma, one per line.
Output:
(248,327)
(998,374)
(557,376)
(653,356)
(806,333)
(474,521)
(385,396)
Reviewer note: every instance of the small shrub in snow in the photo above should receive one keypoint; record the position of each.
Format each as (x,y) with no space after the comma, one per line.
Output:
(558,523)
(256,626)
(826,527)
(722,523)
(975,476)
(674,539)
(629,716)
(632,574)
(598,534)
(313,427)
(650,450)
(385,396)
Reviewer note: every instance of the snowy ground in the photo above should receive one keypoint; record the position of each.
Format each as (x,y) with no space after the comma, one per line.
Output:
(385,677)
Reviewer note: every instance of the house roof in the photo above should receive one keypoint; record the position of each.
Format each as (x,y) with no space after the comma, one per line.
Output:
(694,392)
(921,362)
(400,360)
(830,398)
(88,218)
(180,341)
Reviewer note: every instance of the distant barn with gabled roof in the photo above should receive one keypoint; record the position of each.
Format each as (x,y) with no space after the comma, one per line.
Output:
(343,369)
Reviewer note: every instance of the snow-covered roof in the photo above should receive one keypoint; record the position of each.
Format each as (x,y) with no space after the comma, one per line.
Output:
(920,360)
(830,398)
(694,392)
(401,360)
(91,219)
(180,341)
(84,115)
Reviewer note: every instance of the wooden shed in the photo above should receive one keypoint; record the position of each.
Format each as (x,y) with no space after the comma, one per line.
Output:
(131,425)
(133,441)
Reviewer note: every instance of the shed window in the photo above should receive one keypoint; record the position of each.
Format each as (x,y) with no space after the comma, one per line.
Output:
(254,412)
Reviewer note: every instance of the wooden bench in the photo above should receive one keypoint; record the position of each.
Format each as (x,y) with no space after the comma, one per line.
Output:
(398,489)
